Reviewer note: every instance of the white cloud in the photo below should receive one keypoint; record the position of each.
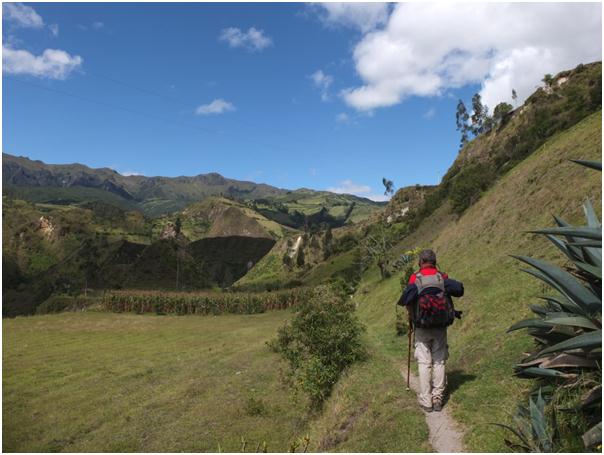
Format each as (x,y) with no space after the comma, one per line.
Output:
(430,113)
(97,25)
(362,16)
(252,40)
(358,189)
(342,118)
(349,187)
(426,48)
(131,173)
(322,81)
(54,29)
(51,64)
(218,106)
(22,15)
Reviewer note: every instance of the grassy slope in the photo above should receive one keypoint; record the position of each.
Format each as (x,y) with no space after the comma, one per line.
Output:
(369,410)
(475,249)
(118,382)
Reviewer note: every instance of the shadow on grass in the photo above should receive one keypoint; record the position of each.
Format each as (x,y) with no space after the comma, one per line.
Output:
(455,379)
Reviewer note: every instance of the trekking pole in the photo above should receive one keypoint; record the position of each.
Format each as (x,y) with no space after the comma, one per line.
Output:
(409,353)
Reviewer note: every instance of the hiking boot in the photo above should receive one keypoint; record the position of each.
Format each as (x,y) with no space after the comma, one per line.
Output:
(425,408)
(437,405)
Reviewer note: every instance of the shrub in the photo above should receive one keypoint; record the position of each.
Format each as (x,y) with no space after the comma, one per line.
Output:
(59,303)
(255,406)
(323,339)
(468,185)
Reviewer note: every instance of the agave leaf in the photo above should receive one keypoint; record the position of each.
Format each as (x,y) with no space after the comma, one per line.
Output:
(510,428)
(571,252)
(594,255)
(593,436)
(585,341)
(555,303)
(566,360)
(590,214)
(573,321)
(587,243)
(591,396)
(533,323)
(564,282)
(538,420)
(538,309)
(583,232)
(566,303)
(560,221)
(533,362)
(542,372)
(597,165)
(591,269)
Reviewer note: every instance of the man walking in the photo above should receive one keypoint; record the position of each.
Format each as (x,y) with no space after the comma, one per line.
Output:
(428,301)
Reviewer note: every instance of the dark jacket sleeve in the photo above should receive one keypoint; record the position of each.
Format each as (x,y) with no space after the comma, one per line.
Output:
(408,296)
(454,288)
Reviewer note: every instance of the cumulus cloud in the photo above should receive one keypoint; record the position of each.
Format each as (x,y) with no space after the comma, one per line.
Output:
(51,64)
(322,81)
(54,29)
(349,187)
(362,16)
(429,114)
(252,40)
(21,15)
(342,118)
(218,106)
(358,189)
(426,48)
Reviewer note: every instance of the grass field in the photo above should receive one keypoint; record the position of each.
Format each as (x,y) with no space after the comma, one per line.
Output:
(98,381)
(117,382)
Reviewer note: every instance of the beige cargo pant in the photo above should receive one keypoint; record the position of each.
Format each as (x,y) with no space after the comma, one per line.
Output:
(431,353)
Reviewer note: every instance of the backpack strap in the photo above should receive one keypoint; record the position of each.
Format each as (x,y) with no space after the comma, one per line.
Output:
(429,281)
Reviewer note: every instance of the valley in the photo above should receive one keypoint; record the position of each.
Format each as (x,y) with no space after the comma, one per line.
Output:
(98,377)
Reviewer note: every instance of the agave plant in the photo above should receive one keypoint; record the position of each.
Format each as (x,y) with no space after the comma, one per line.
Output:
(531,431)
(567,327)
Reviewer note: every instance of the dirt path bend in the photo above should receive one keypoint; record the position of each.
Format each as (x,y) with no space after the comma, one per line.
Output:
(445,433)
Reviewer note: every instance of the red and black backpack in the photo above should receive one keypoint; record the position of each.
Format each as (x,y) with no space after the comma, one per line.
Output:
(433,309)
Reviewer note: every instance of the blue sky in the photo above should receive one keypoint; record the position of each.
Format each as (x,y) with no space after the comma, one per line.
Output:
(287,94)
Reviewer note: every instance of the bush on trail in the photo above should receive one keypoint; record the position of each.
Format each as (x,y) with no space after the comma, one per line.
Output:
(320,342)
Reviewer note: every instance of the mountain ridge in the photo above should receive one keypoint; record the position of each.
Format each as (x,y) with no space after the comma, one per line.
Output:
(155,195)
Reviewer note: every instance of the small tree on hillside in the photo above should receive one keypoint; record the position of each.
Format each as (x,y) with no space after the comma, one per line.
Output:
(514,96)
(548,80)
(501,110)
(376,247)
(479,115)
(461,118)
(388,185)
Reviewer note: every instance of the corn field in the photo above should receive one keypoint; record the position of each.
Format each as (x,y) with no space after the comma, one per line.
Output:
(202,303)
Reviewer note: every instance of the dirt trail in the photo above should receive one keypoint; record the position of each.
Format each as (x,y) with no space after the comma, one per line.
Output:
(445,434)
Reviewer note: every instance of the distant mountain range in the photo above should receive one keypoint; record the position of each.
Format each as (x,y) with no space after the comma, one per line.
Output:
(155,196)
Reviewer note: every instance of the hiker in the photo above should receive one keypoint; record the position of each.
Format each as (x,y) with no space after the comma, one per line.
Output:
(427,298)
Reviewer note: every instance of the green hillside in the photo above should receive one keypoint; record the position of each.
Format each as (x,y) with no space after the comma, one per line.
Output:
(475,249)
(36,181)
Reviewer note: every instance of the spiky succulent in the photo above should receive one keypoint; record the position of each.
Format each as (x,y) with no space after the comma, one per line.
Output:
(568,325)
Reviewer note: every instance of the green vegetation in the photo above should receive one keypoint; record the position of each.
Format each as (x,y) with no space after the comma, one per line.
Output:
(475,249)
(568,336)
(89,382)
(321,340)
(202,302)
